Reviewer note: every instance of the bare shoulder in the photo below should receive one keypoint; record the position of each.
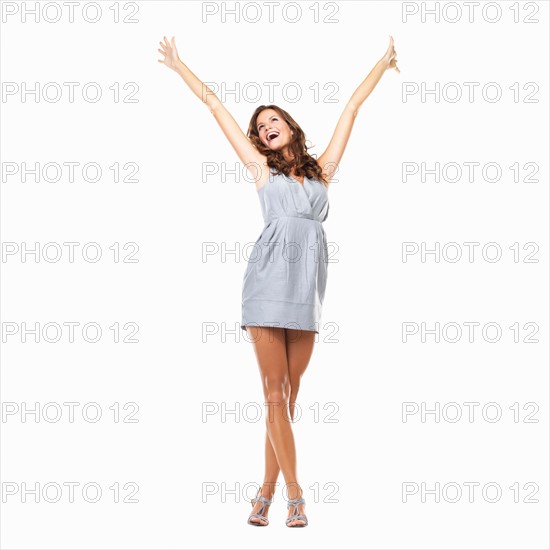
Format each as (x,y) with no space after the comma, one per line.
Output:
(328,171)
(258,170)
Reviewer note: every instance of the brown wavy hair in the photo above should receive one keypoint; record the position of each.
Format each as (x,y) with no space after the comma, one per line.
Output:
(303,163)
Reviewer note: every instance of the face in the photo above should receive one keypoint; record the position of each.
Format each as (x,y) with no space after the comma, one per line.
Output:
(274,132)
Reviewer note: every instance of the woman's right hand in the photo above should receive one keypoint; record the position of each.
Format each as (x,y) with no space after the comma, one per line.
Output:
(171,58)
(389,58)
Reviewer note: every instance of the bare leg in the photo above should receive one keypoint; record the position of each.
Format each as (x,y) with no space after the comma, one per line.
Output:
(283,355)
(270,350)
(299,348)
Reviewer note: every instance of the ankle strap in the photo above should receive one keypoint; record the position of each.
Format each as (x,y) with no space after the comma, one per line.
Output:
(295,502)
(263,499)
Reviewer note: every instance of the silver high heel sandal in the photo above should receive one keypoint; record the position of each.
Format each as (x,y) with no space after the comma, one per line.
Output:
(296,502)
(259,515)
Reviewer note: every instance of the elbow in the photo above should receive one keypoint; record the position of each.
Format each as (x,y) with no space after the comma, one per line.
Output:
(213,103)
(352,109)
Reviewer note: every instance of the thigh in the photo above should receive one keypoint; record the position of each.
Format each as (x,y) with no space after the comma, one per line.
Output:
(270,350)
(299,348)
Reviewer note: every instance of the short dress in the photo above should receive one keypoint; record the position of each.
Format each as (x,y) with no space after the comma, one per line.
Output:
(286,274)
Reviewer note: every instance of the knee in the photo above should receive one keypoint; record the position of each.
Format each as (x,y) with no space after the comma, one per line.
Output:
(277,392)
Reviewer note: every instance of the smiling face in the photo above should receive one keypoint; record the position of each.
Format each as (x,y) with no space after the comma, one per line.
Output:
(273,130)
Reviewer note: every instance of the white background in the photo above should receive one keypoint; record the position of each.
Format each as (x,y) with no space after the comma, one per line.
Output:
(360,362)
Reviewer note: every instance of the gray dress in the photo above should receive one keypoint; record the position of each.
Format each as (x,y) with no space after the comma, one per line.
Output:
(285,279)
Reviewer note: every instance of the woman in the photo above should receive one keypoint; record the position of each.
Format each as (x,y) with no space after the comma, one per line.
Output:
(284,282)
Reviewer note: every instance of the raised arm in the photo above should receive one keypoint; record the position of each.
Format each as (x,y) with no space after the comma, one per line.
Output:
(331,157)
(246,152)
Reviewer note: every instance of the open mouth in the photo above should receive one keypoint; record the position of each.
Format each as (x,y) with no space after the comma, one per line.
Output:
(271,136)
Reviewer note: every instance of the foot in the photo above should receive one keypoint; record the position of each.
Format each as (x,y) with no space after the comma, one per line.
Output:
(260,508)
(297,509)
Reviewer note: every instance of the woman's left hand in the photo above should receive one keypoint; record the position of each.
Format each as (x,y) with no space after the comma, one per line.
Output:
(390,57)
